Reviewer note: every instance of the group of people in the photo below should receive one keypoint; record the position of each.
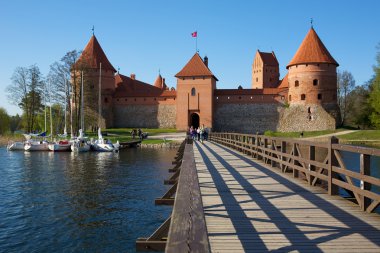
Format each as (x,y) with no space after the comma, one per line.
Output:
(199,133)
(139,133)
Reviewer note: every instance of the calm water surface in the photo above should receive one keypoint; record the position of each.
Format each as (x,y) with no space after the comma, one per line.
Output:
(90,202)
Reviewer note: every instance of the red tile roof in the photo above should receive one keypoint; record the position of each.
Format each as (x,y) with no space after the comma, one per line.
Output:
(284,84)
(128,87)
(312,50)
(158,82)
(265,91)
(93,55)
(268,58)
(194,68)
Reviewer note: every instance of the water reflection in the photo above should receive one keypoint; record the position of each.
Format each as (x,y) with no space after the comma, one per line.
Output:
(80,202)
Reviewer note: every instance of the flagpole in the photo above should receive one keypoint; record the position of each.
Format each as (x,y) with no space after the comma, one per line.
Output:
(196,43)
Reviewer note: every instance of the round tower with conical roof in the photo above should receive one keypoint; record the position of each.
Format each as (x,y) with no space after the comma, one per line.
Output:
(97,71)
(312,74)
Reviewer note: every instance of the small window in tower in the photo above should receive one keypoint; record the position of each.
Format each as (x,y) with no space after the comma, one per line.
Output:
(155,99)
(303,96)
(126,99)
(290,97)
(105,100)
(257,79)
(297,83)
(193,78)
(270,79)
(135,99)
(315,82)
(239,97)
(117,99)
(319,96)
(193,92)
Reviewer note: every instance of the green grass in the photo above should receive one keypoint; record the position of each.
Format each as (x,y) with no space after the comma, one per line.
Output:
(155,141)
(362,135)
(150,131)
(305,134)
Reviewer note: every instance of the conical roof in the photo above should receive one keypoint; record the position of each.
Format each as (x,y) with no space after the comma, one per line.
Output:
(312,50)
(195,67)
(159,82)
(93,55)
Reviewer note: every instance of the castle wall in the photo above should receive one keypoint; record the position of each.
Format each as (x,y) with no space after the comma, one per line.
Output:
(144,112)
(299,118)
(246,117)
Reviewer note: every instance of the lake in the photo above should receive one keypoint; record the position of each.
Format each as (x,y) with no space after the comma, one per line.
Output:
(87,202)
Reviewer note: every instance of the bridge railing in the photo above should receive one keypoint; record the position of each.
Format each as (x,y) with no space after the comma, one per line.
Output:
(317,163)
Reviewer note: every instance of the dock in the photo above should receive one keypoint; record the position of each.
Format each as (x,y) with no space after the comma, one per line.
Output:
(250,193)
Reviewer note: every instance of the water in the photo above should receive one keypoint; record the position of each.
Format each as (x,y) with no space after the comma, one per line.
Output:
(90,202)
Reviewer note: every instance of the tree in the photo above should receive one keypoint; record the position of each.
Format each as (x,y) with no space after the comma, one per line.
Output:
(374,97)
(4,121)
(346,84)
(360,111)
(25,91)
(15,123)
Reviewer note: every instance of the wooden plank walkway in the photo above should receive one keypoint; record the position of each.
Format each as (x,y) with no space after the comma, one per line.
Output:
(250,207)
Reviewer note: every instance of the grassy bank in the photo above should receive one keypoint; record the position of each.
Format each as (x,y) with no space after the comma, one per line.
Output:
(362,135)
(305,134)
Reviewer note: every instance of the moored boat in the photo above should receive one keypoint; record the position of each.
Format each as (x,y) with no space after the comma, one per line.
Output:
(37,146)
(15,145)
(80,144)
(63,145)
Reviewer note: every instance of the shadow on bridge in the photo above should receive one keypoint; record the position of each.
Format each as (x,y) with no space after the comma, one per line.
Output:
(304,234)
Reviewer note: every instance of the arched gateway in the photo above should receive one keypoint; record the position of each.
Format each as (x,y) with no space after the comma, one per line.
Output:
(194,120)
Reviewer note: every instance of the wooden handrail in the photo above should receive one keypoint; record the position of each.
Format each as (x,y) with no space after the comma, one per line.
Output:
(187,232)
(285,153)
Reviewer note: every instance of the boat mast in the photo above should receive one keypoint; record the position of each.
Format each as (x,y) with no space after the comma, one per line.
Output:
(65,128)
(81,107)
(71,112)
(51,115)
(100,97)
(45,105)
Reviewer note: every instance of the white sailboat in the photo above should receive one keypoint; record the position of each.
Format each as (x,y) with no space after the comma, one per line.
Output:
(100,144)
(81,144)
(62,145)
(15,145)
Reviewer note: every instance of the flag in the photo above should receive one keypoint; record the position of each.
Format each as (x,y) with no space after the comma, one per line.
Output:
(194,34)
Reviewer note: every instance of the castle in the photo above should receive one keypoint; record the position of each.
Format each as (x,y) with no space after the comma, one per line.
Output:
(304,100)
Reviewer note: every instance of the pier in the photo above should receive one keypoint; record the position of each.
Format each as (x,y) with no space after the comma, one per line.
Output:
(252,193)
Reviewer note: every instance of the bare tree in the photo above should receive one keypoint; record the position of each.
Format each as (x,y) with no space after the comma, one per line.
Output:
(25,92)
(346,84)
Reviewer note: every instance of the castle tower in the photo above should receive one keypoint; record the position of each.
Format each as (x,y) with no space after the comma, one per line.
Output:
(265,70)
(160,83)
(312,73)
(195,89)
(312,83)
(90,60)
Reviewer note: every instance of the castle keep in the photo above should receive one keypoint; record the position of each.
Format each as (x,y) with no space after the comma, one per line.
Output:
(304,100)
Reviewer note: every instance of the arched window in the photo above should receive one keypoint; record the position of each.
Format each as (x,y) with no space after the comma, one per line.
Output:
(303,96)
(315,82)
(319,96)
(296,83)
(193,92)
(290,97)
(257,79)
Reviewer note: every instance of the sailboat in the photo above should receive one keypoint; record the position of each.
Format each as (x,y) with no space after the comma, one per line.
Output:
(62,145)
(100,144)
(80,144)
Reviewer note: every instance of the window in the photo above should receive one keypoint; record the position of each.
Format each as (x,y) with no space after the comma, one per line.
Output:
(303,96)
(193,92)
(105,100)
(315,82)
(319,96)
(270,79)
(296,83)
(290,97)
(257,79)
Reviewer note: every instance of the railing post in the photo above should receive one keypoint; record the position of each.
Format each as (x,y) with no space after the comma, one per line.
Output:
(256,145)
(273,147)
(283,151)
(265,152)
(311,167)
(295,154)
(365,169)
(332,189)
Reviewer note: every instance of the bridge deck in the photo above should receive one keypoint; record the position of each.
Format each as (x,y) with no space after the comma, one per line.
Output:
(249,207)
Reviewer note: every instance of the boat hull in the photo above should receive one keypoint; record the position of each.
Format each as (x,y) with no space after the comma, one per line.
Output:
(59,147)
(103,147)
(80,147)
(36,147)
(16,146)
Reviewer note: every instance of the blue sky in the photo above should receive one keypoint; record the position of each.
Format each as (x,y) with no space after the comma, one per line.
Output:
(142,37)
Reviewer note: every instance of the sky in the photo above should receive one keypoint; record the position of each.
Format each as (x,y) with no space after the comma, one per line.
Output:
(145,36)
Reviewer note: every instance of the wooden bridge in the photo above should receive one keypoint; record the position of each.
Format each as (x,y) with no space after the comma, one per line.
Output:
(251,193)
